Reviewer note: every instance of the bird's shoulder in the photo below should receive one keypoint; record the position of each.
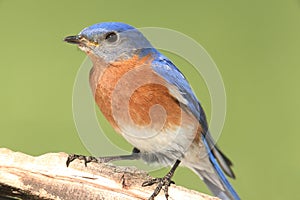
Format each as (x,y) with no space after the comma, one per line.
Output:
(179,86)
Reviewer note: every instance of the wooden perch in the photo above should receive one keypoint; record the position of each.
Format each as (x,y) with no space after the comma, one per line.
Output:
(47,177)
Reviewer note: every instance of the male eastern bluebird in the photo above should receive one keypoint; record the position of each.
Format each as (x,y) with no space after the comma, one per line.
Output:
(150,103)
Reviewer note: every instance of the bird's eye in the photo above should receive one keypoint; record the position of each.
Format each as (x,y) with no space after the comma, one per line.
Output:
(111,37)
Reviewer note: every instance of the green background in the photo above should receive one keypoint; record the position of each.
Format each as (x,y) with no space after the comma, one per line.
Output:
(255,44)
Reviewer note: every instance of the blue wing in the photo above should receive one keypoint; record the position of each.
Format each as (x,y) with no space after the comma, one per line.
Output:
(165,68)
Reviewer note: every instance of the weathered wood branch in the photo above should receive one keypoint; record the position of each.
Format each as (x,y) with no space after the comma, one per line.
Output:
(47,177)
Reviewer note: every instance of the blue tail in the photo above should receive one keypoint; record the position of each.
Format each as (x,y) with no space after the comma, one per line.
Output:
(226,192)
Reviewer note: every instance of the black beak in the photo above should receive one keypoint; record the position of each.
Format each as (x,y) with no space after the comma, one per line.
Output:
(73,39)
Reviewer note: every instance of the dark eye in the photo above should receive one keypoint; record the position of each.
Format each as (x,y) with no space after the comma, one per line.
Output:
(111,37)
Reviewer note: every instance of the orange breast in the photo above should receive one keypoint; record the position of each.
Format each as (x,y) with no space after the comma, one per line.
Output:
(131,86)
(146,97)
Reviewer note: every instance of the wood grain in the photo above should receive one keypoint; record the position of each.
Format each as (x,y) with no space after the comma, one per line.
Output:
(47,177)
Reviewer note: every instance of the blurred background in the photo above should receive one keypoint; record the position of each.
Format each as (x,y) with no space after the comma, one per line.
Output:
(255,44)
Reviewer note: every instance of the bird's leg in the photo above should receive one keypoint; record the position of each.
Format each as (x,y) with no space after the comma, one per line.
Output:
(135,155)
(163,183)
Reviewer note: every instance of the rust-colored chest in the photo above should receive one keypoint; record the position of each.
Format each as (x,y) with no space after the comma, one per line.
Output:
(127,91)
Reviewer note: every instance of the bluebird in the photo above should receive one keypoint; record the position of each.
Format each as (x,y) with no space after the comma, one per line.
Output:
(147,100)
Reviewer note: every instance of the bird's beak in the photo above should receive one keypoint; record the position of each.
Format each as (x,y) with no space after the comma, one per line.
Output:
(76,39)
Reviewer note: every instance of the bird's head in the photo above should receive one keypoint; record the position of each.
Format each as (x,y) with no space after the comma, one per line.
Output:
(111,41)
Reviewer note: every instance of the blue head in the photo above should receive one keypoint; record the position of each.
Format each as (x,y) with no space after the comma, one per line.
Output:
(111,41)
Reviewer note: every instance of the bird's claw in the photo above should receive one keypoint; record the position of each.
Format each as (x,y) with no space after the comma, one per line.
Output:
(86,159)
(163,183)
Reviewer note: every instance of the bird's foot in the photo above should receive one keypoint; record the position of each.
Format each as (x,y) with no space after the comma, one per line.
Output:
(163,184)
(86,159)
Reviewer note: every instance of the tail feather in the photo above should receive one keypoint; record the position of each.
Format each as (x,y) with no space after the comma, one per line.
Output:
(223,161)
(217,181)
(216,190)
